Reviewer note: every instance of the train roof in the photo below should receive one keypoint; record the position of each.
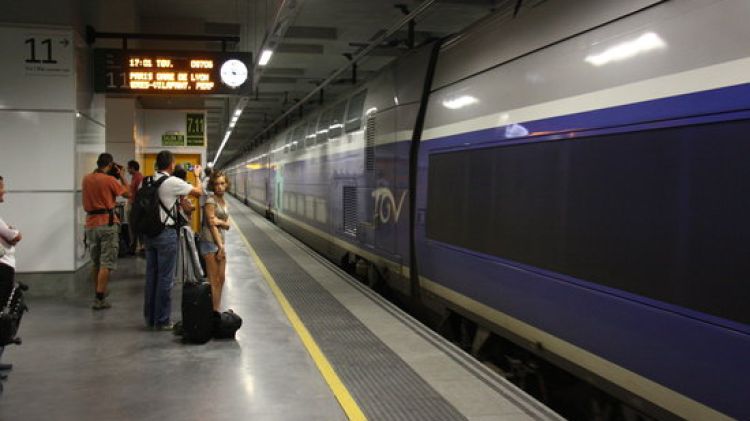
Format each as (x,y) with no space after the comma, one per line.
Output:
(500,38)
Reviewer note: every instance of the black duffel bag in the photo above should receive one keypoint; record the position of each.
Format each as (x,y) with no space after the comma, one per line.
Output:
(226,324)
(11,314)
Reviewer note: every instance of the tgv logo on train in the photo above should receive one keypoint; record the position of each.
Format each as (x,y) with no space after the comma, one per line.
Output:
(386,209)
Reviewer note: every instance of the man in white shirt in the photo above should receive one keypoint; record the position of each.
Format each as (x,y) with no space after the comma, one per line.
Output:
(161,250)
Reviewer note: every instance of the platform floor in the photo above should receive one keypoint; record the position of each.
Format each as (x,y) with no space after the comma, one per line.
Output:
(77,364)
(300,313)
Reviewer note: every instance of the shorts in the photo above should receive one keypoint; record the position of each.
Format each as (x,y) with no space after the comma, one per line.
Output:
(206,247)
(104,242)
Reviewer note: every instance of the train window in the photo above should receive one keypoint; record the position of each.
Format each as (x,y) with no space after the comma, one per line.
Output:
(660,213)
(310,132)
(337,120)
(354,115)
(323,124)
(298,137)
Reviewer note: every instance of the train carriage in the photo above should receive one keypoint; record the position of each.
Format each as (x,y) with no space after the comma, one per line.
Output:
(578,181)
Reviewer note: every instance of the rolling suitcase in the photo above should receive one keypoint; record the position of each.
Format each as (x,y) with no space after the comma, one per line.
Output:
(197,305)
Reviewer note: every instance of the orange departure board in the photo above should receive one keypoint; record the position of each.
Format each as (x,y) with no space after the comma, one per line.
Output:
(171,72)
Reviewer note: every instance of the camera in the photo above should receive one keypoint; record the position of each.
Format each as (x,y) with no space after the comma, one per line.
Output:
(115,171)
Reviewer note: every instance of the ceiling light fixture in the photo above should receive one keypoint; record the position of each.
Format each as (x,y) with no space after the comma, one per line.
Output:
(265,57)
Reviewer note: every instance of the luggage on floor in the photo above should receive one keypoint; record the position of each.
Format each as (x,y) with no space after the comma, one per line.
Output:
(226,324)
(11,314)
(197,312)
(197,305)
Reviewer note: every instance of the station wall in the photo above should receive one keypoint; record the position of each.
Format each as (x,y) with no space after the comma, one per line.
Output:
(53,129)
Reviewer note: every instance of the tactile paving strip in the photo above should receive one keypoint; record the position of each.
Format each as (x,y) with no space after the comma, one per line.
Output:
(383,385)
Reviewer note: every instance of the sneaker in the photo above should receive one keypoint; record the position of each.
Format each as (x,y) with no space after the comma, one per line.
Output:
(164,328)
(101,304)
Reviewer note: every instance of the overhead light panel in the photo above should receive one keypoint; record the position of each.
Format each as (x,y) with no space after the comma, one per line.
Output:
(265,57)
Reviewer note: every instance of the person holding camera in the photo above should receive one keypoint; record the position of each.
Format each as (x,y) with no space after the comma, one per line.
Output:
(100,189)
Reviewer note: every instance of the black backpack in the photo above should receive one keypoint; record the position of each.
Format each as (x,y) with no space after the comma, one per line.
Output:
(226,324)
(145,216)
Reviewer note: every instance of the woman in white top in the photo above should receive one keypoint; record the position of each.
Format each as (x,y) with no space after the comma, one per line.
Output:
(9,237)
(215,222)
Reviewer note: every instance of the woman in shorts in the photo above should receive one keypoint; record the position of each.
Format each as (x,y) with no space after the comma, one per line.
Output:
(215,222)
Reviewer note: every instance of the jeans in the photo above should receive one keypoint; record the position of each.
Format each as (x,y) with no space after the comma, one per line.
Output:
(161,261)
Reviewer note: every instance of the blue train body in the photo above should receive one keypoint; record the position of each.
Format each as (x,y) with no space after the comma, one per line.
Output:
(600,220)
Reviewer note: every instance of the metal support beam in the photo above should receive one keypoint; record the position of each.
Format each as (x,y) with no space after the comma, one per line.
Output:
(410,37)
(92,35)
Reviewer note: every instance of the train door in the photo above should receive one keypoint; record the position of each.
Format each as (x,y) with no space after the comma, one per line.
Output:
(386,200)
(188,161)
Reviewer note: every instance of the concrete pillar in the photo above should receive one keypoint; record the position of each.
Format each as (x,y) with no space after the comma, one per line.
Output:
(121,128)
(53,129)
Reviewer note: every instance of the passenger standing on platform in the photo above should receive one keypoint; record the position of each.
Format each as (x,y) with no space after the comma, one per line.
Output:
(100,189)
(9,237)
(215,222)
(136,178)
(161,250)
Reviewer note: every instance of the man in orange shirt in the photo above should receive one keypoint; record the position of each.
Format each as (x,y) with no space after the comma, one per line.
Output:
(100,189)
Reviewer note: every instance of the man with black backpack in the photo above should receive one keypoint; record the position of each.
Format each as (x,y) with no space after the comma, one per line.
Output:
(155,215)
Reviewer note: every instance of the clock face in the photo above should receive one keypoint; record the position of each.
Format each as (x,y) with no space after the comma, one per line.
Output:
(233,73)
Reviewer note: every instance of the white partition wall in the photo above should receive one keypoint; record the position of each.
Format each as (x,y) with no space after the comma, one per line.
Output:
(52,132)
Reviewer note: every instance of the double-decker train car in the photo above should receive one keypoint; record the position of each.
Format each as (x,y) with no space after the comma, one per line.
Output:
(574,180)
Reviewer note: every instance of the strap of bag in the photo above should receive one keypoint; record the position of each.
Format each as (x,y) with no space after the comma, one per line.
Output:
(111,213)
(171,214)
(6,309)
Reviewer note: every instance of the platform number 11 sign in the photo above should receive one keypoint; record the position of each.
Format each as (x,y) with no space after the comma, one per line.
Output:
(32,58)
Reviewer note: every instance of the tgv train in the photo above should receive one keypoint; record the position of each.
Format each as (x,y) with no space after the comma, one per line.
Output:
(576,180)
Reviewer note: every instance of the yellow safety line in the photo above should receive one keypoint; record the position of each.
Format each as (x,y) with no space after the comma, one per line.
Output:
(347,402)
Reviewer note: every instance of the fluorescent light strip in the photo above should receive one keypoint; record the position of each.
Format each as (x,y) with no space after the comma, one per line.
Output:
(221,148)
(232,123)
(265,57)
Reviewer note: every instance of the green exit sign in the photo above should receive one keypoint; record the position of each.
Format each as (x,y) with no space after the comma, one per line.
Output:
(172,139)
